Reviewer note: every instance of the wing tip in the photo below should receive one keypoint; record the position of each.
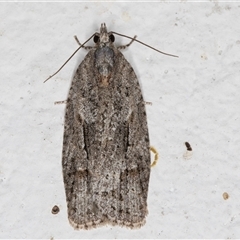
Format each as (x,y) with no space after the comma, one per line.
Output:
(106,222)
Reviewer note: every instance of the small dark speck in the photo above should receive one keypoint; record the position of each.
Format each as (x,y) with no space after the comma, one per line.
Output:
(189,148)
(55,210)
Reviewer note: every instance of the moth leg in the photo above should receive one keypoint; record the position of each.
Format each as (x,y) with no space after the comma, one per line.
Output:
(60,102)
(148,103)
(85,47)
(127,45)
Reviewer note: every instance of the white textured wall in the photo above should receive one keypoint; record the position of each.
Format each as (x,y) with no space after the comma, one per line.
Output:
(195,98)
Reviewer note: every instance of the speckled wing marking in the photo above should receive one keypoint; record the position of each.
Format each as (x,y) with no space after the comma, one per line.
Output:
(106,157)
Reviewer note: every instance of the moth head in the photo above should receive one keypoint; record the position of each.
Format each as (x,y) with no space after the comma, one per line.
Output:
(103,37)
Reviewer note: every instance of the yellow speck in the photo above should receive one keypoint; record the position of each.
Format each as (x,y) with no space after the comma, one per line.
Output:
(154,151)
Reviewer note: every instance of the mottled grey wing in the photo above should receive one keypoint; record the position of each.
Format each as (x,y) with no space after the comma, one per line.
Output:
(134,179)
(106,157)
(74,154)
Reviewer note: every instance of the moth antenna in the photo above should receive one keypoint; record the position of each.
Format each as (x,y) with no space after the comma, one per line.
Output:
(69,59)
(122,35)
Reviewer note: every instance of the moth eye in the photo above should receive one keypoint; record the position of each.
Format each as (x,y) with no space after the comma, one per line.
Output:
(111,38)
(96,39)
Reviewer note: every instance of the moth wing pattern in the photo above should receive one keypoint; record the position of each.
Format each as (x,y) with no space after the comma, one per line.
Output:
(106,157)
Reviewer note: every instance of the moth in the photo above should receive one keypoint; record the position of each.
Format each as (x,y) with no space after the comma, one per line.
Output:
(106,152)
(105,157)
